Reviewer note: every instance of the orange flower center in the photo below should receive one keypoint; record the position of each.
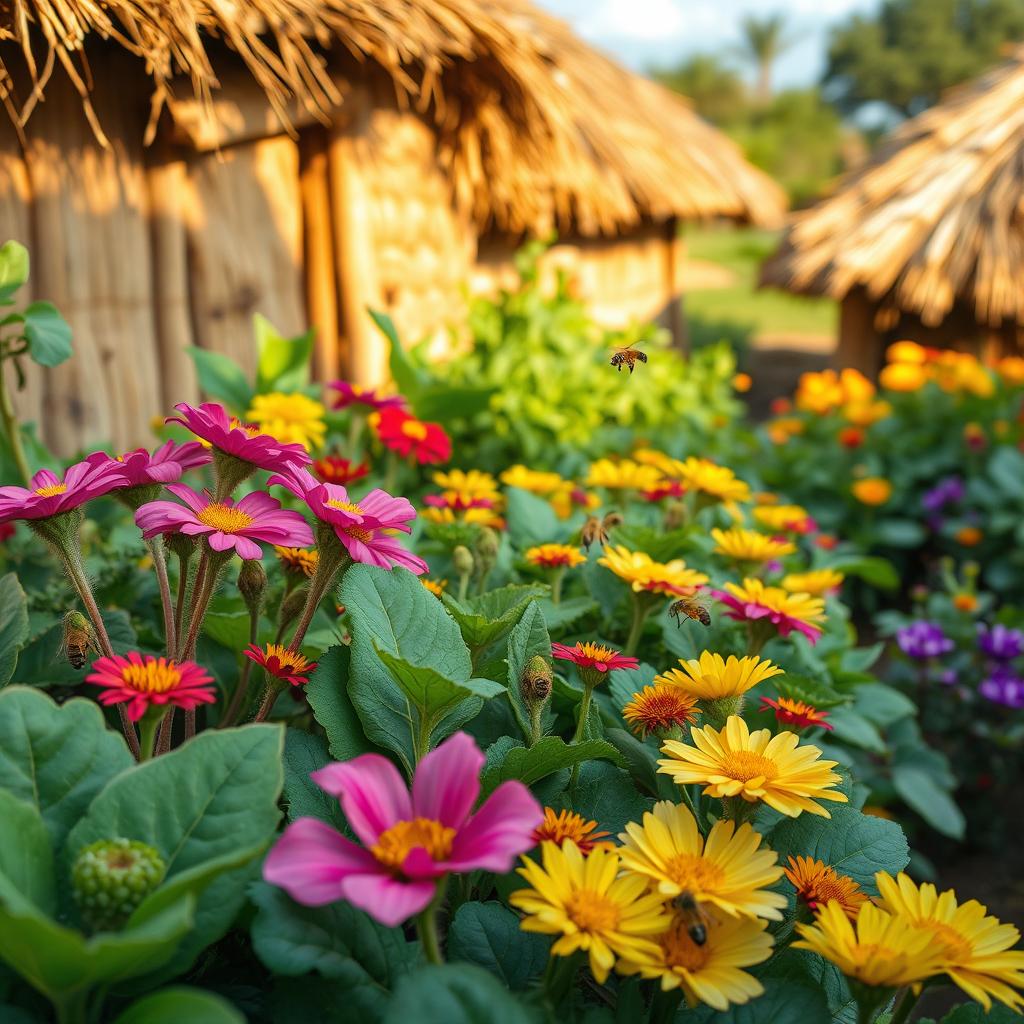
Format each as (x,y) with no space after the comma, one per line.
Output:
(680,950)
(955,946)
(746,765)
(557,828)
(692,871)
(592,912)
(359,533)
(397,842)
(344,506)
(414,429)
(52,491)
(154,677)
(288,660)
(225,518)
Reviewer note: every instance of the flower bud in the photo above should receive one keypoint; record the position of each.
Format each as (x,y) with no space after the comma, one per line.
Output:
(252,584)
(111,877)
(487,546)
(535,684)
(180,544)
(462,559)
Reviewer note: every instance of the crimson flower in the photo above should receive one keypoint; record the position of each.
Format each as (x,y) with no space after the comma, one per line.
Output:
(141,681)
(406,435)
(594,656)
(278,661)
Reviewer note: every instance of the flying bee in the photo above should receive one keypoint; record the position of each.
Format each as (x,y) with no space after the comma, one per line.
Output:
(693,916)
(596,530)
(627,356)
(78,639)
(692,609)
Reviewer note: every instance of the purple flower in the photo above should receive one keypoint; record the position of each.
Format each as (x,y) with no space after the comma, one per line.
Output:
(923,640)
(1002,686)
(944,493)
(948,677)
(999,642)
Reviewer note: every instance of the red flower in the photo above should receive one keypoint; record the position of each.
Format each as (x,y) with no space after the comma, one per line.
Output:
(795,712)
(595,656)
(143,681)
(826,541)
(7,531)
(851,437)
(278,661)
(665,489)
(333,469)
(402,433)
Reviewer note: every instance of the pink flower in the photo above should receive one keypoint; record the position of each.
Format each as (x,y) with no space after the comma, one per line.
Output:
(364,527)
(48,495)
(754,601)
(228,434)
(410,840)
(353,394)
(144,681)
(257,516)
(164,466)
(594,656)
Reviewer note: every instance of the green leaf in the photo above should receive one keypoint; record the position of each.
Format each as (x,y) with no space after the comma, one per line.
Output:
(882,704)
(222,379)
(605,794)
(532,520)
(303,755)
(446,402)
(813,690)
(488,934)
(919,791)
(548,755)
(327,693)
(974,1013)
(879,572)
(14,268)
(486,619)
(229,629)
(639,758)
(855,844)
(407,377)
(456,994)
(848,725)
(56,758)
(26,856)
(215,795)
(899,533)
(282,363)
(47,333)
(528,640)
(783,1002)
(567,611)
(338,941)
(175,1005)
(1006,468)
(13,625)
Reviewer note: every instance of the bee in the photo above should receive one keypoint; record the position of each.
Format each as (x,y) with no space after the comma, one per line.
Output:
(693,916)
(596,530)
(627,356)
(78,639)
(692,609)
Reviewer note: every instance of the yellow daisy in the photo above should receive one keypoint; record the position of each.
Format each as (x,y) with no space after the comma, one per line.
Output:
(729,870)
(292,419)
(817,582)
(554,556)
(298,560)
(659,709)
(473,484)
(533,480)
(585,902)
(749,545)
(713,677)
(878,949)
(734,762)
(753,601)
(642,573)
(659,460)
(718,482)
(783,518)
(817,884)
(709,973)
(624,474)
(976,949)
(436,587)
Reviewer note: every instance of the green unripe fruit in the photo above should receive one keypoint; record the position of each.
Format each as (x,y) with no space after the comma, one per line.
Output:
(111,877)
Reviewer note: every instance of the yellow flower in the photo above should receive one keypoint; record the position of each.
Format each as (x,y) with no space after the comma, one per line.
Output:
(975,949)
(817,884)
(718,482)
(961,371)
(783,428)
(742,382)
(879,949)
(748,545)
(585,902)
(872,490)
(659,460)
(642,573)
(532,480)
(553,556)
(1011,369)
(826,391)
(472,484)
(436,587)
(783,518)
(292,419)
(621,475)
(778,770)
(298,560)
(754,601)
(904,377)
(657,709)
(906,352)
(817,582)
(863,414)
(712,677)
(709,973)
(730,869)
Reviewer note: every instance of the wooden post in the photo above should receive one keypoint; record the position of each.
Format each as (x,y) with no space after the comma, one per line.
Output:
(675,253)
(860,345)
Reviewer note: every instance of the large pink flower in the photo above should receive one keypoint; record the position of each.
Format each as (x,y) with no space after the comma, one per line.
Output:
(353,394)
(409,840)
(141,681)
(228,525)
(163,466)
(228,434)
(365,527)
(48,495)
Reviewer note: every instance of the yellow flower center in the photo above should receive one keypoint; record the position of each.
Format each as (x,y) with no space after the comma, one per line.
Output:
(746,765)
(592,912)
(862,954)
(344,506)
(414,429)
(52,491)
(225,518)
(691,871)
(680,950)
(397,842)
(955,946)
(359,533)
(155,677)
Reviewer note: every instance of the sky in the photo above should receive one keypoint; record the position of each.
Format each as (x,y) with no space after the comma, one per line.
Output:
(642,33)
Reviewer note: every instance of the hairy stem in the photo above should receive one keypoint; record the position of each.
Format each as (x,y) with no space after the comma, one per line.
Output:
(156,549)
(238,698)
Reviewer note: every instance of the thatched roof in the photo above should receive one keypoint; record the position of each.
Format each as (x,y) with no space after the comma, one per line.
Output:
(936,218)
(539,129)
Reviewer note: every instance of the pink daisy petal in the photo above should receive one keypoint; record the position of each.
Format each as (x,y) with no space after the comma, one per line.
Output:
(372,794)
(447,781)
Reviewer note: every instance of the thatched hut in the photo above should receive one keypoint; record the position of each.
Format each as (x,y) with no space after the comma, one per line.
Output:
(926,241)
(177,165)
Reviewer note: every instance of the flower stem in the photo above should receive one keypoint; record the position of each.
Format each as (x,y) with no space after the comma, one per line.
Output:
(556,585)
(664,1006)
(536,728)
(426,926)
(333,559)
(156,549)
(163,737)
(905,1006)
(270,696)
(236,707)
(12,429)
(184,564)
(147,732)
(637,628)
(581,725)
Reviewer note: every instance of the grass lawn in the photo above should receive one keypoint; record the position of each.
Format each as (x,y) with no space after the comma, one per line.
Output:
(740,312)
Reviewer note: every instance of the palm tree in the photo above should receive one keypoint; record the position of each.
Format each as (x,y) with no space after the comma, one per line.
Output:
(763,42)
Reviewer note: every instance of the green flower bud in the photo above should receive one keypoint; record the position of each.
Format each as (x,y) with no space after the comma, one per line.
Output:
(535,684)
(462,559)
(252,584)
(487,546)
(111,877)
(180,544)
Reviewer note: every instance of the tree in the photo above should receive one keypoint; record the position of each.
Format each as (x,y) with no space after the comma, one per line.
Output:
(762,44)
(911,50)
(714,88)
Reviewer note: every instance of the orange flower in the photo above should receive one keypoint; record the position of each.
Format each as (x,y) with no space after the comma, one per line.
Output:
(817,884)
(659,709)
(906,352)
(969,536)
(795,712)
(872,490)
(742,382)
(559,826)
(555,556)
(964,602)
(851,437)
(904,377)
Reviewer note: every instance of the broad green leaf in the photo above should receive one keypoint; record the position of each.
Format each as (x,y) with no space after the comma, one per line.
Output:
(56,758)
(486,619)
(639,758)
(1006,468)
(179,1004)
(221,379)
(879,572)
(813,690)
(882,704)
(605,794)
(567,611)
(215,795)
(919,791)
(327,693)
(974,1013)
(445,402)
(282,363)
(855,844)
(532,520)
(26,856)
(303,755)
(338,941)
(456,994)
(13,624)
(409,380)
(854,728)
(229,629)
(784,1001)
(488,934)
(47,333)
(14,268)
(548,755)
(899,533)
(529,639)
